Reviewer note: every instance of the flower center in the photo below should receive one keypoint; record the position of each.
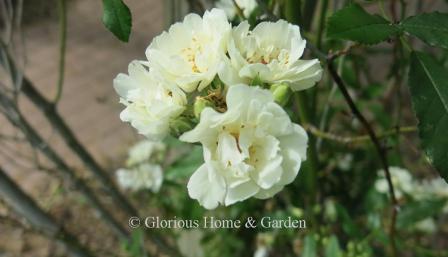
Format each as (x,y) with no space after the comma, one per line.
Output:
(189,53)
(264,55)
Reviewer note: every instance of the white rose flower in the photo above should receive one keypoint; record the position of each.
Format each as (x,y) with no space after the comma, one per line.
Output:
(401,180)
(143,176)
(252,149)
(247,6)
(150,101)
(145,151)
(271,53)
(190,53)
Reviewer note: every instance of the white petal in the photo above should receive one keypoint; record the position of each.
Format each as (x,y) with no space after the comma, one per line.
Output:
(241,192)
(124,83)
(227,150)
(208,189)
(271,173)
(202,131)
(228,74)
(239,94)
(268,193)
(294,152)
(308,73)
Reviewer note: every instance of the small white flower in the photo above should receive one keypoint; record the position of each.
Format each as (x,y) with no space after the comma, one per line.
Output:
(261,251)
(427,225)
(247,6)
(264,243)
(330,211)
(251,150)
(145,151)
(150,101)
(345,162)
(190,53)
(401,180)
(438,187)
(271,53)
(142,176)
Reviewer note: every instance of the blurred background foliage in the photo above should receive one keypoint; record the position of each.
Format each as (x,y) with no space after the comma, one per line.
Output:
(341,191)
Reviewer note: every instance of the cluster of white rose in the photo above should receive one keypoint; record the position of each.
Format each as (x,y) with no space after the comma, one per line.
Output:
(401,180)
(143,170)
(407,187)
(224,87)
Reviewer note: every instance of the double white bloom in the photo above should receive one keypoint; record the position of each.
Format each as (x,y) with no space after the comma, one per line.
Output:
(253,149)
(144,176)
(270,53)
(151,102)
(190,53)
(142,169)
(407,186)
(401,180)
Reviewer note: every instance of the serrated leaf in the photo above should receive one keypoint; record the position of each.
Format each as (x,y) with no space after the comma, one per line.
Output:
(432,28)
(417,211)
(354,23)
(428,82)
(117,18)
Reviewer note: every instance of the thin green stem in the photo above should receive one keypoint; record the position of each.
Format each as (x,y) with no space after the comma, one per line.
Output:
(308,14)
(239,11)
(405,43)
(323,13)
(312,163)
(326,109)
(357,139)
(62,9)
(382,10)
(382,152)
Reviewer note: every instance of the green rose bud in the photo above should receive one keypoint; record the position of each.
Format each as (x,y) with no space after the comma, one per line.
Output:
(282,93)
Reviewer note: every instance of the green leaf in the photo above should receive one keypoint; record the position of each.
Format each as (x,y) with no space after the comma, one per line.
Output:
(432,28)
(346,221)
(332,248)
(428,82)
(417,211)
(354,23)
(134,245)
(117,18)
(310,247)
(185,166)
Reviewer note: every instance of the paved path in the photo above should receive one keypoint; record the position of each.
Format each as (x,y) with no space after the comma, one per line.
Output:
(89,104)
(94,57)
